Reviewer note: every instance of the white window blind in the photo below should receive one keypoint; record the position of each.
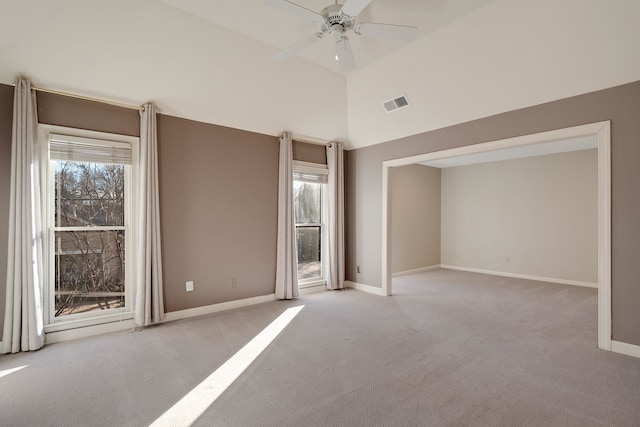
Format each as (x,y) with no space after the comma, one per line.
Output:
(74,148)
(319,178)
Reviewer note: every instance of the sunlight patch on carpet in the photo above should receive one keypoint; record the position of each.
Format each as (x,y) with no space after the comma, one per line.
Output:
(11,371)
(193,404)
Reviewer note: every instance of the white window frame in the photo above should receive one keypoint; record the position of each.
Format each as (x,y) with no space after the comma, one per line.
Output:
(80,320)
(319,169)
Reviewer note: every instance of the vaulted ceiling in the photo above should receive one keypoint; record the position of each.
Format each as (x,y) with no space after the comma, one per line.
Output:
(212,60)
(279,29)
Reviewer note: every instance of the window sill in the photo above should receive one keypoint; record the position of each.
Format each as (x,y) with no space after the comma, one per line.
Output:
(65,325)
(311,283)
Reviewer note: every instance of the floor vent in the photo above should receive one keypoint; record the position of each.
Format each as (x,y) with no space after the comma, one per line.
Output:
(395,104)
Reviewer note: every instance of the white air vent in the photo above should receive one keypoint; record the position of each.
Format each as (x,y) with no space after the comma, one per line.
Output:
(395,104)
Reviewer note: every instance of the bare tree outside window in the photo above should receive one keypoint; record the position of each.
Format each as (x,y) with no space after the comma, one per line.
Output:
(89,238)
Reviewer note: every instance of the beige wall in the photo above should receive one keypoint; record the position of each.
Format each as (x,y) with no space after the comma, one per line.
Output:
(364,182)
(218,201)
(414,195)
(218,197)
(312,153)
(80,114)
(535,216)
(620,105)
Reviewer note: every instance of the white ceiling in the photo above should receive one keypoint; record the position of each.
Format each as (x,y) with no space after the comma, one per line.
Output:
(211,60)
(554,147)
(279,29)
(146,50)
(507,55)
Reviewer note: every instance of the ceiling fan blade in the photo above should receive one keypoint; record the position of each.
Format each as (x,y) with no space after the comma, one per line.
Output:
(344,55)
(298,45)
(386,31)
(352,8)
(294,9)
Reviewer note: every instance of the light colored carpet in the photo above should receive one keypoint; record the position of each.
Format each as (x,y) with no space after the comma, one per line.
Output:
(450,348)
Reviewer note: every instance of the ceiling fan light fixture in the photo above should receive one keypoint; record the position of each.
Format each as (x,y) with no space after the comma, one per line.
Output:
(337,20)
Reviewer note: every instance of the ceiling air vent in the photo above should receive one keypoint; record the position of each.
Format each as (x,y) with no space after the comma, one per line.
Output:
(395,104)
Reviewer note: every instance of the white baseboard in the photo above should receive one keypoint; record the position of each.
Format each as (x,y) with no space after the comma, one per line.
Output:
(523,276)
(415,270)
(88,331)
(230,305)
(214,308)
(365,288)
(625,348)
(71,334)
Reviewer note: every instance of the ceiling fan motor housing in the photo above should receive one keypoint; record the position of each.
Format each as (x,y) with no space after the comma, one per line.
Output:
(333,16)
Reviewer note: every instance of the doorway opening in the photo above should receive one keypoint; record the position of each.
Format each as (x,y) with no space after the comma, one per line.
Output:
(535,144)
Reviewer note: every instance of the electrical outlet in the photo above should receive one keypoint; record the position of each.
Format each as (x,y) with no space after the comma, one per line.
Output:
(189,286)
(234,283)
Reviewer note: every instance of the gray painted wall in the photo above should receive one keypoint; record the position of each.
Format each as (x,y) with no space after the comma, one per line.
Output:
(414,196)
(364,180)
(218,197)
(620,105)
(536,216)
(218,201)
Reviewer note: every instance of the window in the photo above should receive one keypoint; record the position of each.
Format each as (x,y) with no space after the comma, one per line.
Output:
(308,192)
(89,216)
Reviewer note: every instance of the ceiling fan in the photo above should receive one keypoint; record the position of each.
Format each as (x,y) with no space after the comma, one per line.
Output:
(337,20)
